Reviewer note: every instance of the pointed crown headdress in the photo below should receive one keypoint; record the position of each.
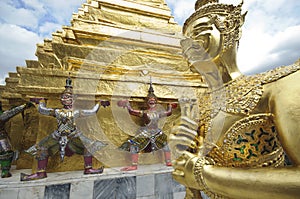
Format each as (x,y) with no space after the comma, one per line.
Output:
(229,26)
(151,91)
(68,86)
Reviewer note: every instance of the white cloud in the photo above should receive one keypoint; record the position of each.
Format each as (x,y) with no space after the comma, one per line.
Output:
(2,80)
(270,29)
(286,49)
(35,5)
(49,27)
(62,10)
(17,40)
(25,23)
(18,44)
(18,16)
(181,9)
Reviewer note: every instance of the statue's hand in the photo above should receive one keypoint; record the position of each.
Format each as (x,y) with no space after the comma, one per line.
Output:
(183,170)
(29,104)
(185,135)
(188,170)
(104,103)
(36,100)
(173,105)
(123,103)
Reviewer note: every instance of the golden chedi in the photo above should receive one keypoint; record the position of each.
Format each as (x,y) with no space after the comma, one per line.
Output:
(238,137)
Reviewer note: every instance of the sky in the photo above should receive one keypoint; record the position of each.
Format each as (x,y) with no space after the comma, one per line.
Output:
(271,33)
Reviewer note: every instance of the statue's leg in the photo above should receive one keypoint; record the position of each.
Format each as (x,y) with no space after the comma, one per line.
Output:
(134,159)
(41,168)
(6,155)
(167,154)
(5,162)
(41,153)
(75,145)
(88,163)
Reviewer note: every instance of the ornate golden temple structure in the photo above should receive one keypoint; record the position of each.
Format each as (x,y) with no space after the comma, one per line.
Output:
(232,144)
(110,50)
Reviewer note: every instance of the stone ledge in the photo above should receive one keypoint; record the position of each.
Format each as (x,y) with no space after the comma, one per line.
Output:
(149,181)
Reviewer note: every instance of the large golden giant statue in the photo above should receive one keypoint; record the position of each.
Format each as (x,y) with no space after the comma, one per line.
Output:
(246,127)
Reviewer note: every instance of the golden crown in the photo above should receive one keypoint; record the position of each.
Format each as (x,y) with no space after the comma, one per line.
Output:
(201,3)
(68,86)
(151,91)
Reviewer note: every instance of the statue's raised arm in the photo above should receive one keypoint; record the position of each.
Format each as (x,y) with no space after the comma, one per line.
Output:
(94,110)
(248,125)
(7,115)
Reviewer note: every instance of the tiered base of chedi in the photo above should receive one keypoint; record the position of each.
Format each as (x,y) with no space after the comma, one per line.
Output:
(110,51)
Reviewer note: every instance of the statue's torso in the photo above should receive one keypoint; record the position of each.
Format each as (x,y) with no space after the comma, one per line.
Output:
(65,121)
(151,119)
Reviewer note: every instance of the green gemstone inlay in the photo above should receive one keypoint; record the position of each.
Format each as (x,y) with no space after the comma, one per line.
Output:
(236,158)
(256,145)
(251,154)
(241,139)
(242,149)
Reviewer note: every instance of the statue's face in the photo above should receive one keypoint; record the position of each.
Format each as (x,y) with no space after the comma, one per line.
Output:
(67,99)
(204,31)
(151,102)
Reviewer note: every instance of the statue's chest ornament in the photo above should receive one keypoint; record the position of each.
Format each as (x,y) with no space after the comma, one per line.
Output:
(153,116)
(239,96)
(242,96)
(253,139)
(65,116)
(66,121)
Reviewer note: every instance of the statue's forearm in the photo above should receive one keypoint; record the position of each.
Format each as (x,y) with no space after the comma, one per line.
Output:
(168,112)
(134,112)
(253,183)
(12,112)
(92,111)
(44,110)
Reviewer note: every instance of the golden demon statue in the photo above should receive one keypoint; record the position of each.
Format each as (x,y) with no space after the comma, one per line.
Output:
(245,126)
